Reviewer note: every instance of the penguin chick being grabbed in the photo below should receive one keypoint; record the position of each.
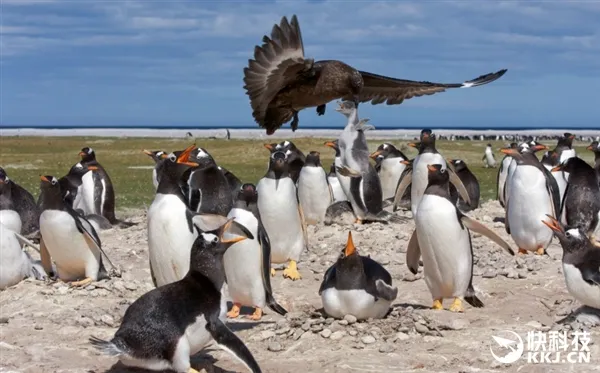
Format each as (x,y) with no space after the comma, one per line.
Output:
(167,325)
(357,285)
(248,263)
(443,239)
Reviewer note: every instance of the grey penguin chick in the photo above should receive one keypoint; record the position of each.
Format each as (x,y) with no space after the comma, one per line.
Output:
(340,213)
(314,192)
(357,285)
(580,262)
(167,325)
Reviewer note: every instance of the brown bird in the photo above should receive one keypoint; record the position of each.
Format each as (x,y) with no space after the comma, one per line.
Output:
(281,81)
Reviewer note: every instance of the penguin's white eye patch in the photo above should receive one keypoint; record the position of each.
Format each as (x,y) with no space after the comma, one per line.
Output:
(573,233)
(286,143)
(202,153)
(78,165)
(288,152)
(209,237)
(172,157)
(54,181)
(90,150)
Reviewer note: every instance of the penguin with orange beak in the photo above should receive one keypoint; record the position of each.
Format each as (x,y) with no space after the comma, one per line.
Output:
(581,262)
(294,157)
(357,285)
(391,167)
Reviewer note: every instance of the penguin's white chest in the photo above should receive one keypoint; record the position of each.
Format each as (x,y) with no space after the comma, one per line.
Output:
(389,174)
(74,257)
(420,177)
(561,181)
(489,157)
(585,293)
(313,194)
(529,203)
(14,263)
(243,264)
(445,248)
(344,180)
(169,239)
(358,303)
(87,193)
(336,188)
(279,214)
(11,220)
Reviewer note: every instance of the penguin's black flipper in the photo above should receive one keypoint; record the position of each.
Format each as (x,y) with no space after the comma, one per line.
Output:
(229,342)
(590,274)
(265,245)
(328,279)
(475,226)
(413,253)
(404,182)
(386,291)
(471,298)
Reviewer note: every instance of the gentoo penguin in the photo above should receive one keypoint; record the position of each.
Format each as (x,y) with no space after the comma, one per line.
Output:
(15,197)
(580,206)
(417,177)
(336,188)
(15,263)
(564,147)
(502,175)
(314,192)
(205,186)
(390,168)
(295,157)
(470,182)
(68,238)
(488,157)
(550,160)
(405,200)
(343,181)
(157,156)
(282,215)
(167,325)
(581,263)
(444,241)
(365,192)
(533,194)
(357,285)
(595,147)
(248,263)
(103,192)
(530,145)
(234,182)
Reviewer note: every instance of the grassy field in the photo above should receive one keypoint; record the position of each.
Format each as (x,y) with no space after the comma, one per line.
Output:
(26,158)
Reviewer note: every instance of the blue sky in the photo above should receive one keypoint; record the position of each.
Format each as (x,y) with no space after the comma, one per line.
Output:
(179,63)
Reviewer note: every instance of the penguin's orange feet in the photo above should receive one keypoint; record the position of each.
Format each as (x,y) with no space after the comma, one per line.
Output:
(457,306)
(192,370)
(437,305)
(522,251)
(86,281)
(540,251)
(273,272)
(358,221)
(235,311)
(257,315)
(291,271)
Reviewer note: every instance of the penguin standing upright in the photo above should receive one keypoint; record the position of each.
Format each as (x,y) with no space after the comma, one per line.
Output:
(470,182)
(580,262)
(294,157)
(365,193)
(343,181)
(234,182)
(595,147)
(391,167)
(281,215)
(444,241)
(580,206)
(248,263)
(488,157)
(530,145)
(314,193)
(68,238)
(336,188)
(502,175)
(533,194)
(357,285)
(564,147)
(167,325)
(15,197)
(103,192)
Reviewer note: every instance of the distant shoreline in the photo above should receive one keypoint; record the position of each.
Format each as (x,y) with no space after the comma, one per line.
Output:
(244,133)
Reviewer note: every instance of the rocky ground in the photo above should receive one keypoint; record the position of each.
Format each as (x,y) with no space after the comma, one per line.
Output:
(46,326)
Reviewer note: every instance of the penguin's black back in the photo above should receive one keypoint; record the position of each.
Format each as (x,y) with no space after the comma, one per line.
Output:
(581,203)
(20,200)
(472,185)
(208,191)
(108,210)
(355,272)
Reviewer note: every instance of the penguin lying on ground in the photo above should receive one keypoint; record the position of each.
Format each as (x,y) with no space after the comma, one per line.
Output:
(294,157)
(442,237)
(167,325)
(68,238)
(581,263)
(357,285)
(15,197)
(391,167)
(470,182)
(248,263)
(282,216)
(15,263)
(314,192)
(581,204)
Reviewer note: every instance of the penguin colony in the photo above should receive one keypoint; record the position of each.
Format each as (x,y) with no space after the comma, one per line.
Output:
(213,238)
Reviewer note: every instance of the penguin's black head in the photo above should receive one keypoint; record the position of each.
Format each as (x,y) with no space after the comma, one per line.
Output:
(156,155)
(383,150)
(247,194)
(458,164)
(571,239)
(425,133)
(291,151)
(567,139)
(3,177)
(49,184)
(202,157)
(437,175)
(349,249)
(333,145)
(513,145)
(87,154)
(272,147)
(569,165)
(489,145)
(215,236)
(278,161)
(313,159)
(78,170)
(594,147)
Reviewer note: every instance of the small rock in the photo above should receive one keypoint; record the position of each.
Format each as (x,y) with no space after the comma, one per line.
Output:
(282,330)
(400,336)
(489,273)
(534,324)
(38,327)
(108,320)
(326,333)
(85,322)
(421,328)
(3,320)
(351,319)
(458,324)
(368,339)
(306,326)
(275,347)
(386,348)
(264,335)
(338,335)
(130,285)
(342,322)
(353,333)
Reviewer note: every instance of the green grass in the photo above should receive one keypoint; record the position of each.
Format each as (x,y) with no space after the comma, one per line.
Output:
(25,158)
